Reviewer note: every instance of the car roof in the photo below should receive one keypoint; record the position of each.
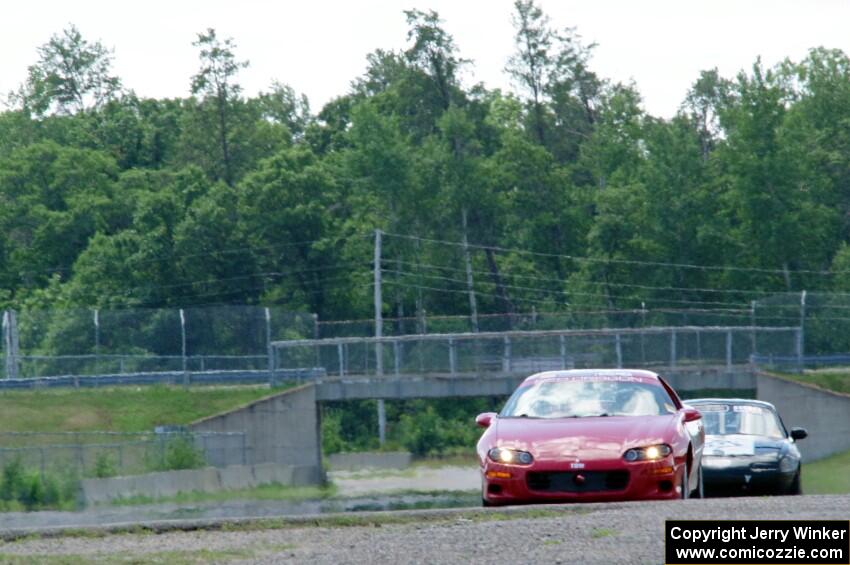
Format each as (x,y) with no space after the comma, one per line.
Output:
(749,401)
(573,373)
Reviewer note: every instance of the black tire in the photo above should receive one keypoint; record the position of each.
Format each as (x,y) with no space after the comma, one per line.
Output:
(796,488)
(699,492)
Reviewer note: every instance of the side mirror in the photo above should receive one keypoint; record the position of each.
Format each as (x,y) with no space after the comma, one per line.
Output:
(484,419)
(799,433)
(692,414)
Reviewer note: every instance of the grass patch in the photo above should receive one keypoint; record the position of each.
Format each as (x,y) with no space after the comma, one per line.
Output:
(828,476)
(830,379)
(263,492)
(120,409)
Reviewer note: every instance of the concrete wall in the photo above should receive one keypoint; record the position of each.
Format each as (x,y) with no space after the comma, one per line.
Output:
(369,459)
(824,414)
(170,483)
(282,428)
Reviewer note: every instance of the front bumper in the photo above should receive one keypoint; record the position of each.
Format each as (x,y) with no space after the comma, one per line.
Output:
(732,480)
(600,481)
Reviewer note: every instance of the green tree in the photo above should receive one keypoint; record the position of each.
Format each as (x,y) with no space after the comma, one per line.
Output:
(71,75)
(215,82)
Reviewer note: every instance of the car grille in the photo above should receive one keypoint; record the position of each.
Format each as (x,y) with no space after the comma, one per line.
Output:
(580,481)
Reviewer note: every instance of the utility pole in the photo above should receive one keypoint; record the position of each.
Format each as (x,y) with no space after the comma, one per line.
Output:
(801,336)
(379,330)
(473,306)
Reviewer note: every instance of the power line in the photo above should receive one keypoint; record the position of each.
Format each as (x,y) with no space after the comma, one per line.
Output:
(569,293)
(618,261)
(623,285)
(517,298)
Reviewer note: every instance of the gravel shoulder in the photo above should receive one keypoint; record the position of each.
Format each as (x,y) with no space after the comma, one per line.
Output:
(592,533)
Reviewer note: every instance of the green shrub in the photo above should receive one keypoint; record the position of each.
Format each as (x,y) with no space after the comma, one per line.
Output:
(176,453)
(425,427)
(105,466)
(28,489)
(14,480)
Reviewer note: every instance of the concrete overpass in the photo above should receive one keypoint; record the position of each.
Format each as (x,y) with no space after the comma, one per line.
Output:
(286,427)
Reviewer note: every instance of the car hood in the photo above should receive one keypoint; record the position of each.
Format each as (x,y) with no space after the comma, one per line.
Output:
(740,445)
(585,438)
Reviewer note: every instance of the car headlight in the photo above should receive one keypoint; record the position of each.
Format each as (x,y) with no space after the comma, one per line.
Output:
(648,453)
(510,456)
(787,464)
(714,461)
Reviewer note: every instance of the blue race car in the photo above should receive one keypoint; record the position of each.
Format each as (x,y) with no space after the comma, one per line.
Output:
(747,448)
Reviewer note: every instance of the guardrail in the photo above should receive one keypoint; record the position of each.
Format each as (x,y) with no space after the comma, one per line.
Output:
(528,351)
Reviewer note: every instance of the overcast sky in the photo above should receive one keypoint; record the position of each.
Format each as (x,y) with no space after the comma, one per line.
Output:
(319,46)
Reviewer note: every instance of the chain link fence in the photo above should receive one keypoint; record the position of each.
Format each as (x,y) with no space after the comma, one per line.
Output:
(531,351)
(825,318)
(109,342)
(230,339)
(104,454)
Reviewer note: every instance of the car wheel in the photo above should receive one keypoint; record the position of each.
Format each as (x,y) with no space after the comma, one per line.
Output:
(796,487)
(699,491)
(686,487)
(486,503)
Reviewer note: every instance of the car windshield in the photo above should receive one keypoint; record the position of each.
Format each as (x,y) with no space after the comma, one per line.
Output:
(747,419)
(588,397)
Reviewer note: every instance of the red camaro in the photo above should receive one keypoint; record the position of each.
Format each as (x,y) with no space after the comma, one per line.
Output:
(591,435)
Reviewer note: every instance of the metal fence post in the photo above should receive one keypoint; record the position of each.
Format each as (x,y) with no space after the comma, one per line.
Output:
(619,348)
(642,335)
(339,352)
(96,341)
(11,344)
(397,356)
(452,357)
(801,340)
(563,340)
(753,326)
(506,356)
(729,350)
(269,347)
(672,348)
(316,336)
(183,347)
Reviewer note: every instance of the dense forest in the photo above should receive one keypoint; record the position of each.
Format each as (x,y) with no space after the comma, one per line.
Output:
(563,193)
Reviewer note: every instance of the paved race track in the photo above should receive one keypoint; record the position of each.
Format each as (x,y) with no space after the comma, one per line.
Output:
(592,533)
